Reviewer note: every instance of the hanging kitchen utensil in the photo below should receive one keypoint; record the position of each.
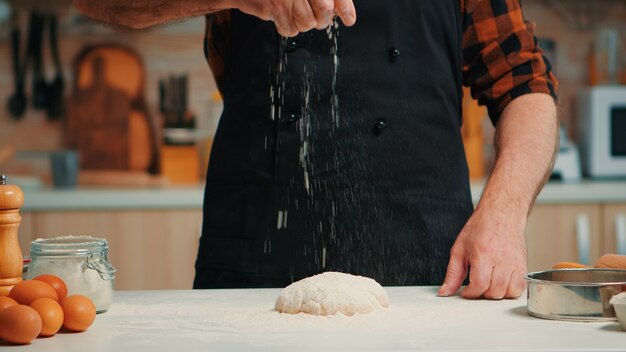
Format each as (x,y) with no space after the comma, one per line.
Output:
(40,86)
(173,88)
(161,96)
(189,118)
(17,102)
(56,101)
(181,92)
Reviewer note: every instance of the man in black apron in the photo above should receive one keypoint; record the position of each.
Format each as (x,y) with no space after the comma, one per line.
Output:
(354,162)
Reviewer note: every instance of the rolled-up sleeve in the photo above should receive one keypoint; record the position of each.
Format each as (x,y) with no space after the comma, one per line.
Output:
(501,57)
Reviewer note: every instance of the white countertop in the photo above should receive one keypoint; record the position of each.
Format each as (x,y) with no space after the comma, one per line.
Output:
(191,197)
(244,320)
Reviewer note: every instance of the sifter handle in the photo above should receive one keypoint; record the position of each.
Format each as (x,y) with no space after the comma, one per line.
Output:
(583,238)
(620,233)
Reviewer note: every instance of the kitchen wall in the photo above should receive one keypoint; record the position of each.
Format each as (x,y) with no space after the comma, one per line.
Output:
(169,49)
(574,41)
(177,48)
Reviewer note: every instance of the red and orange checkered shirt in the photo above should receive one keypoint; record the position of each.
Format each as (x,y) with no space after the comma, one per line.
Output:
(501,57)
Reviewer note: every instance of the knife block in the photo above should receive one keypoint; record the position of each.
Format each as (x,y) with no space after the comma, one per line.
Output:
(11,260)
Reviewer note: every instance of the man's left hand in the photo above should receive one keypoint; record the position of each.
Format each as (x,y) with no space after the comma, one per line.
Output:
(492,247)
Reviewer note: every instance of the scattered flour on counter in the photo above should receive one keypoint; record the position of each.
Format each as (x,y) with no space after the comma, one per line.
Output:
(330,293)
(245,319)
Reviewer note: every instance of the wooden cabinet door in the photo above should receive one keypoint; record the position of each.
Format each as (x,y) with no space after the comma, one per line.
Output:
(151,249)
(614,234)
(559,233)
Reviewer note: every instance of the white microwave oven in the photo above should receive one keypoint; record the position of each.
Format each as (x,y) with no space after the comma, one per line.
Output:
(602,130)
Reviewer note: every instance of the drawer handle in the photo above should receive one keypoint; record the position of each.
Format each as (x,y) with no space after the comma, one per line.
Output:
(583,238)
(620,233)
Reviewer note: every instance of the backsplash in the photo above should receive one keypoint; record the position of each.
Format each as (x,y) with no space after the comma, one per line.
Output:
(170,49)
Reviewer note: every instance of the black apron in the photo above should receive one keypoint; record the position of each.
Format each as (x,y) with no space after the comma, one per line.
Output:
(374,183)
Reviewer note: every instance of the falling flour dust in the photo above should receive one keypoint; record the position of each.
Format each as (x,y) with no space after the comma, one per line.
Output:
(331,292)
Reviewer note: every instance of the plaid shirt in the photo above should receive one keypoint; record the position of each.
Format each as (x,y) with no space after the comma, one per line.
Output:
(501,57)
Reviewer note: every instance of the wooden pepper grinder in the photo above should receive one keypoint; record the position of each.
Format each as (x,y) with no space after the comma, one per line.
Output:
(11,261)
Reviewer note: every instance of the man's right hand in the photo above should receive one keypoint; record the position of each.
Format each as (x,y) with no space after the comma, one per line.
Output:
(295,16)
(290,16)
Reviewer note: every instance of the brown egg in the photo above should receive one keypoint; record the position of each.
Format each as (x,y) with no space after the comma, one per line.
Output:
(80,312)
(19,324)
(6,302)
(611,261)
(29,290)
(56,282)
(51,315)
(569,265)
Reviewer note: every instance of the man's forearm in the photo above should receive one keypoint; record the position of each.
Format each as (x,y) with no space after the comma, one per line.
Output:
(491,245)
(526,142)
(137,14)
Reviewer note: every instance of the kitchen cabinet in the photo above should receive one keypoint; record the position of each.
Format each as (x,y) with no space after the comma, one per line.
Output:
(614,218)
(153,232)
(564,233)
(574,233)
(151,249)
(156,249)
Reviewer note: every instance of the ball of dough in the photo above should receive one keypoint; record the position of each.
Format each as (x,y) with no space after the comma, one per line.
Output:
(330,293)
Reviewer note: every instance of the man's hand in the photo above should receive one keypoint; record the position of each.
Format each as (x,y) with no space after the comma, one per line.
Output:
(492,244)
(290,16)
(295,16)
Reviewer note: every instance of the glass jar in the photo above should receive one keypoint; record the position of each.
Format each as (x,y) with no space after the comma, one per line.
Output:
(81,261)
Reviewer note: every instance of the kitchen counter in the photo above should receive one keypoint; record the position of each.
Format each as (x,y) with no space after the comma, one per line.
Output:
(586,191)
(108,198)
(191,197)
(244,320)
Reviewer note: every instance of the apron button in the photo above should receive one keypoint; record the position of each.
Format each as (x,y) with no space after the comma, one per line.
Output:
(393,54)
(293,117)
(291,46)
(379,126)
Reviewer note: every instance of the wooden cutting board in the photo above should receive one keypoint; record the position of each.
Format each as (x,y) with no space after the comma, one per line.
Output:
(107,120)
(98,121)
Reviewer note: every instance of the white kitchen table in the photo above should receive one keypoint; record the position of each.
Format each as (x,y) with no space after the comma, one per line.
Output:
(244,320)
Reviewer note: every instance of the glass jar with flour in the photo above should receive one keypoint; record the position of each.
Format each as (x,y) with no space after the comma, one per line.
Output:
(81,261)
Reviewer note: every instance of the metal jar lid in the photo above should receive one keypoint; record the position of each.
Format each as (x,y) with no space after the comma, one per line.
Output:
(94,249)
